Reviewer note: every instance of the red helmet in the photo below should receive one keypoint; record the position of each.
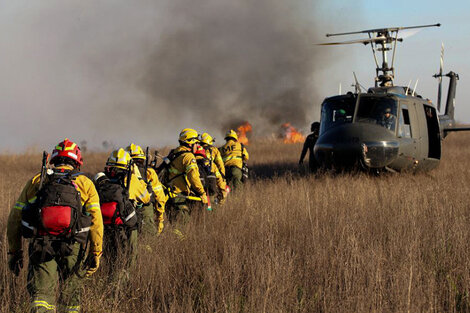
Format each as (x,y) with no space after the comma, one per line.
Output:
(199,150)
(67,149)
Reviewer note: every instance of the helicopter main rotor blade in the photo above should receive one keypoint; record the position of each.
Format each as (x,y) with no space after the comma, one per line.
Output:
(408,33)
(364,41)
(381,30)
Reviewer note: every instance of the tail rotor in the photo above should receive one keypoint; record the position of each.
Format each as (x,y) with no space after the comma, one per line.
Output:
(439,77)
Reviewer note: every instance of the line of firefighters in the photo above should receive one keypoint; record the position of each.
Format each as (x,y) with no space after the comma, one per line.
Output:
(69,218)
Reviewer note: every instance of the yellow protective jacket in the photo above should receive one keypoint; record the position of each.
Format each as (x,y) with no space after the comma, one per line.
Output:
(90,201)
(184,174)
(233,154)
(216,158)
(138,188)
(221,183)
(157,188)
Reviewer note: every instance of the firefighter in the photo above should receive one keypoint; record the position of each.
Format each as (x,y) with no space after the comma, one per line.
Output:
(217,166)
(122,193)
(158,197)
(55,245)
(235,156)
(310,142)
(183,178)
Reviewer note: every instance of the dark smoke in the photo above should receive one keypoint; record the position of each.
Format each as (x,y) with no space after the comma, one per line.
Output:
(121,71)
(226,60)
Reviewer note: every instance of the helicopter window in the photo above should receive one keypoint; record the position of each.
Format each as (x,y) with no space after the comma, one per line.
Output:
(377,110)
(336,112)
(404,128)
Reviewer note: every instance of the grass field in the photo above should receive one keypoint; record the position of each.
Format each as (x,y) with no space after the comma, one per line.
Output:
(290,242)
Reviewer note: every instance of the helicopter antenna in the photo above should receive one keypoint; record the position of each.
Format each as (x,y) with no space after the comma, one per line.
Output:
(383,40)
(357,85)
(414,89)
(339,88)
(439,77)
(408,87)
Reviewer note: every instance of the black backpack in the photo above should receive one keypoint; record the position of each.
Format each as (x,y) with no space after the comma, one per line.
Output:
(208,179)
(245,170)
(57,212)
(116,208)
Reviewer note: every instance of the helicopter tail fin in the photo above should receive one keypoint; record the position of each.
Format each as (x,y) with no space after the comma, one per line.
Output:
(450,103)
(447,120)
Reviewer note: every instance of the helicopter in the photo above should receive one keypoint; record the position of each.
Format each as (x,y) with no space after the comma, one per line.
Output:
(386,128)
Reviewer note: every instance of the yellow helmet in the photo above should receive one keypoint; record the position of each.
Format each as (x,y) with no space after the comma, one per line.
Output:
(189,136)
(231,134)
(119,158)
(207,139)
(135,151)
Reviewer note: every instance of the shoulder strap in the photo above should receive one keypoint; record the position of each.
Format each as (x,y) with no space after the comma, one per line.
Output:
(242,154)
(173,156)
(143,173)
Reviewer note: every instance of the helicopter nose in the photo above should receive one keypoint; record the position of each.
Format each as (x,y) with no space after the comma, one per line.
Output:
(369,154)
(379,154)
(355,145)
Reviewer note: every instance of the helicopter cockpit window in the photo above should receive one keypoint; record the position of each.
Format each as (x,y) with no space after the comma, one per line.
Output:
(404,127)
(377,110)
(336,112)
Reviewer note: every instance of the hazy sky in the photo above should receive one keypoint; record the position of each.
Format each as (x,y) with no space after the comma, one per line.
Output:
(417,56)
(80,69)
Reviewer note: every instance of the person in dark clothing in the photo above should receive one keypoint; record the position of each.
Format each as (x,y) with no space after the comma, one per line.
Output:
(310,142)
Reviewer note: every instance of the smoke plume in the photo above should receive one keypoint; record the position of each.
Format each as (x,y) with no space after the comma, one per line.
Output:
(141,71)
(226,61)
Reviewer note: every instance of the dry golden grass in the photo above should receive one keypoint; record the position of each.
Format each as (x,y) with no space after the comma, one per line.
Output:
(290,242)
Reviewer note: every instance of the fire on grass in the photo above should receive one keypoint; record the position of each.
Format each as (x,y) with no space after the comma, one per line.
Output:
(243,131)
(289,134)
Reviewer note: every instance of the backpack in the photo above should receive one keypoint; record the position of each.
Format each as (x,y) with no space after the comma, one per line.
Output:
(208,179)
(116,208)
(163,170)
(245,171)
(57,212)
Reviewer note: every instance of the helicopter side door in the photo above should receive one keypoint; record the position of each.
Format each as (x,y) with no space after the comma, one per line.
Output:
(416,123)
(407,134)
(424,162)
(434,134)
(431,143)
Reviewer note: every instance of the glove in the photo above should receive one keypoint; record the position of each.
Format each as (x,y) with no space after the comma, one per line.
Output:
(204,198)
(93,264)
(160,227)
(15,261)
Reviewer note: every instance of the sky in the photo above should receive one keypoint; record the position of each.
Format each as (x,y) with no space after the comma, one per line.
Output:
(417,57)
(81,69)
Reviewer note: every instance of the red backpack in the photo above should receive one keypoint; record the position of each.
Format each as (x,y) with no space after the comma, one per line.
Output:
(116,208)
(57,211)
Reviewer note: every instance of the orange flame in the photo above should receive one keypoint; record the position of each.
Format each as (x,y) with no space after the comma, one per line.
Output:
(242,132)
(290,134)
